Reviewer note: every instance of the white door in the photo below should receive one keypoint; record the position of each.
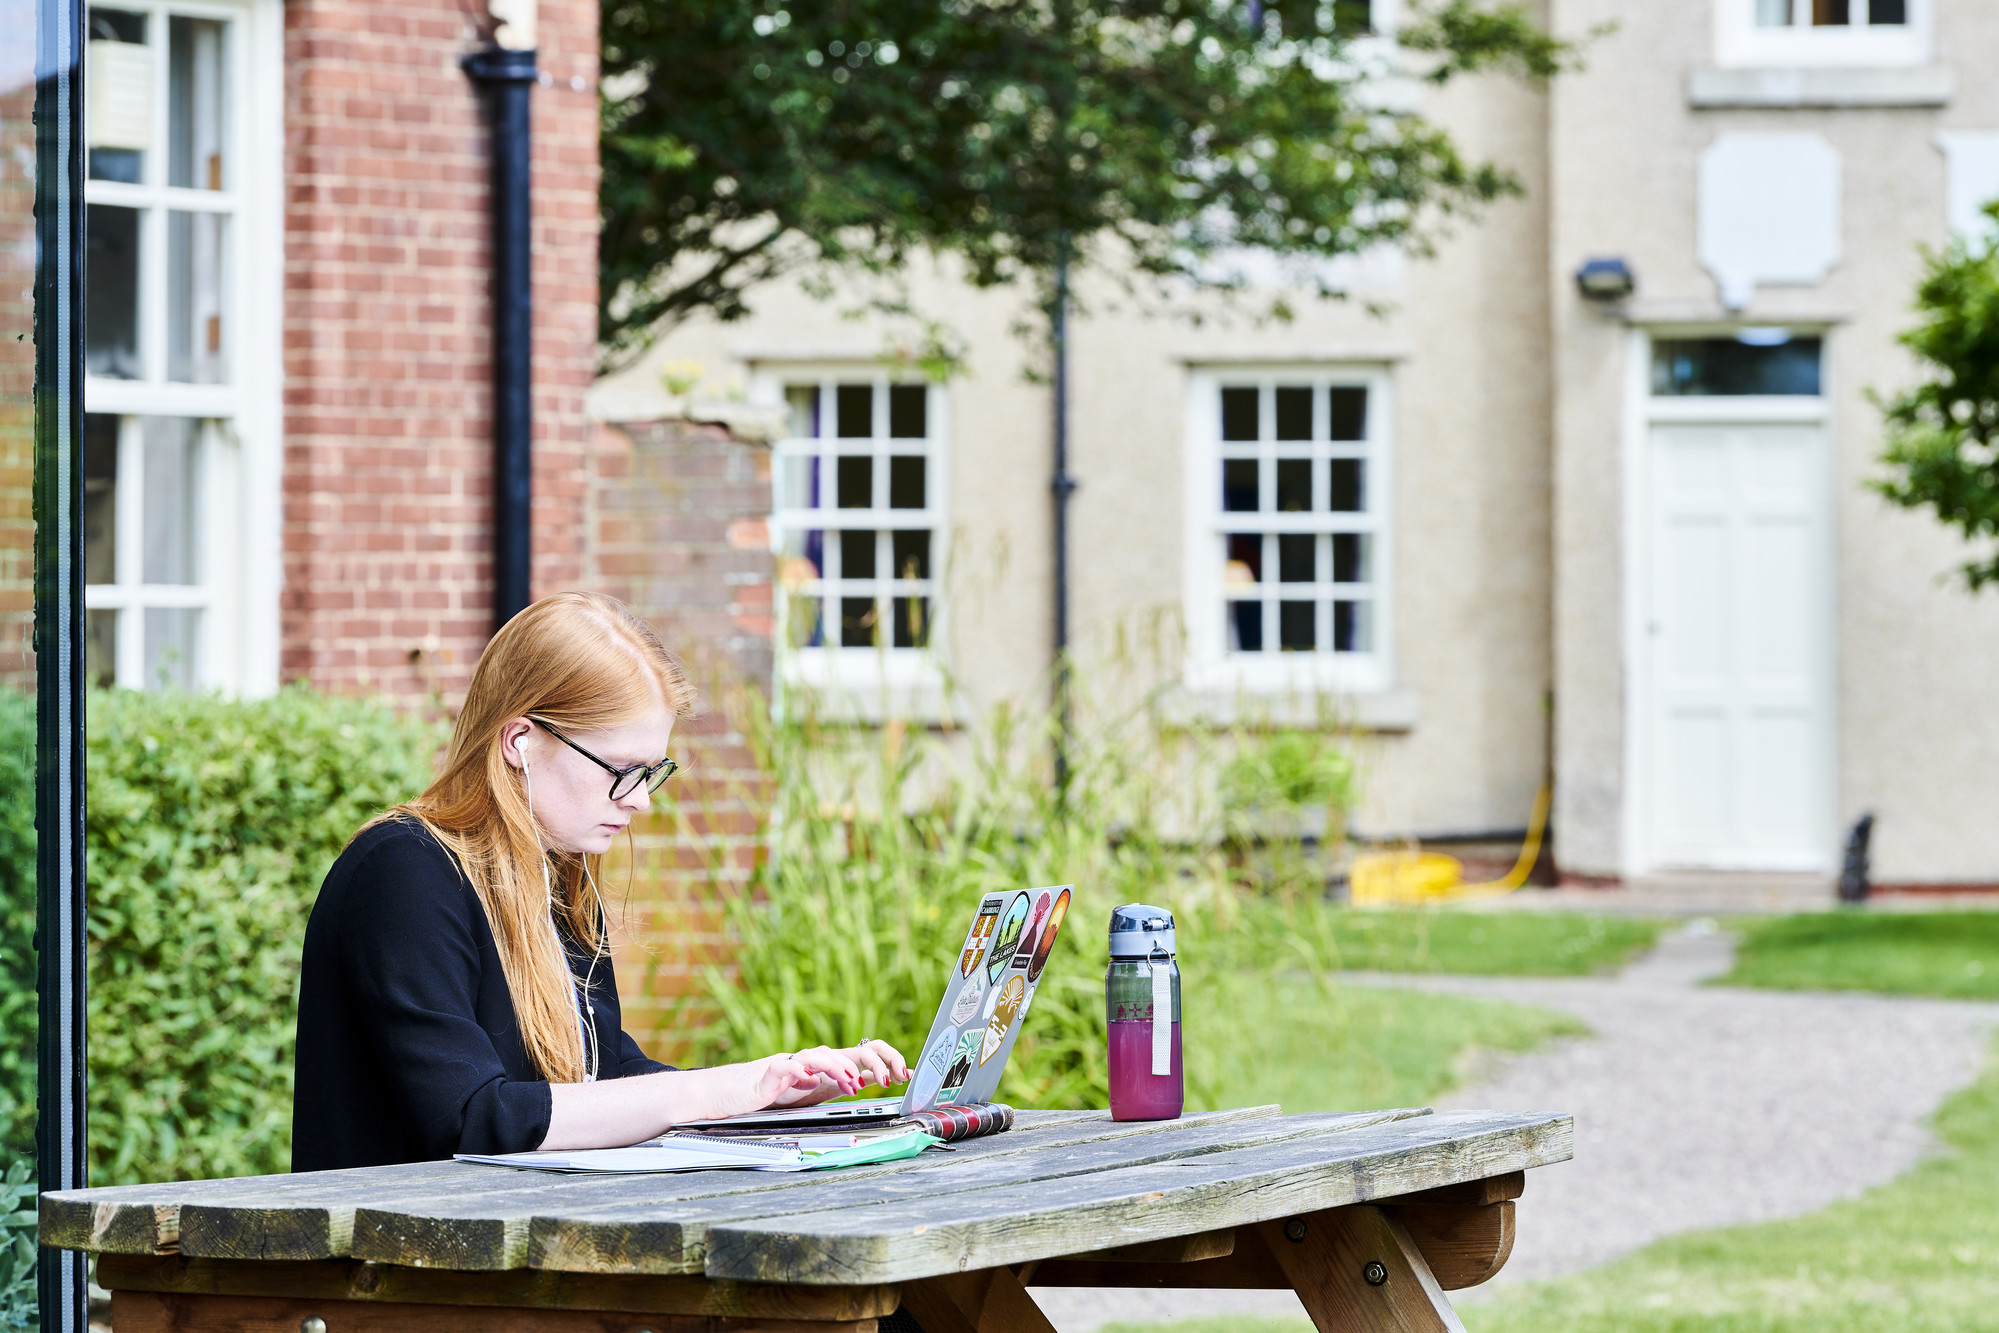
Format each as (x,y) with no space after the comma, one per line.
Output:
(1739,669)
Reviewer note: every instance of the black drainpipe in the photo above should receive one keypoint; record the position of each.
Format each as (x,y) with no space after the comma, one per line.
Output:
(506,77)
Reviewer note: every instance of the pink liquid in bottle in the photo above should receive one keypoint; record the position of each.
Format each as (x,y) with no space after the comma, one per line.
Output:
(1136,1092)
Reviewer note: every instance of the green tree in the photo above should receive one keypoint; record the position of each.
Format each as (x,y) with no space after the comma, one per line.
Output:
(743,139)
(1943,434)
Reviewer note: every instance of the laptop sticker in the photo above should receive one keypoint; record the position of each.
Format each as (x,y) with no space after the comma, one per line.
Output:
(1012,998)
(1047,940)
(981,935)
(1032,934)
(1007,938)
(968,1000)
(961,1064)
(935,1064)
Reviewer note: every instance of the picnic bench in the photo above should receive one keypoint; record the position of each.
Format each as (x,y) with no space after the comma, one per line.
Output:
(1369,1217)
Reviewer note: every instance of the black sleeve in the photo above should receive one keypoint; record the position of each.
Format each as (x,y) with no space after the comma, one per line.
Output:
(410,947)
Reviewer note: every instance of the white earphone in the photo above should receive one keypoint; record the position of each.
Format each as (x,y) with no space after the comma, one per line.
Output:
(548,897)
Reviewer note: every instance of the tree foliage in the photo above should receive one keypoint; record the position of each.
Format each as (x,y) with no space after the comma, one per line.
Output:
(1943,434)
(745,138)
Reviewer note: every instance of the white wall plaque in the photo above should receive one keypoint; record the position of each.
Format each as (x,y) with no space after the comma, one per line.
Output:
(1971,180)
(1769,212)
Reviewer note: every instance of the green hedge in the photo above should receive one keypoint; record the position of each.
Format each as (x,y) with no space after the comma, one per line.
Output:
(210,825)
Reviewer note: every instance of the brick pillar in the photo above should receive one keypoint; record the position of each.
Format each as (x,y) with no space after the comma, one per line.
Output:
(680,531)
(388,391)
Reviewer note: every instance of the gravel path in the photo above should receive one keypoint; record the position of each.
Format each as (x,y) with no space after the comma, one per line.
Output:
(1695,1107)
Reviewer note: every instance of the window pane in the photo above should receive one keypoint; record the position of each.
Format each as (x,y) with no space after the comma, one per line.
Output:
(118,96)
(1294,485)
(908,411)
(111,298)
(1352,627)
(1723,367)
(802,402)
(906,482)
(1294,414)
(1246,627)
(804,557)
(1348,415)
(856,482)
(196,110)
(857,622)
(100,499)
(854,411)
(1239,414)
(802,626)
(1773,13)
(170,490)
(100,648)
(1348,487)
(1887,11)
(1239,485)
(1298,557)
(172,644)
(1829,13)
(1349,557)
(911,553)
(857,554)
(197,287)
(1245,560)
(801,481)
(912,622)
(1297,626)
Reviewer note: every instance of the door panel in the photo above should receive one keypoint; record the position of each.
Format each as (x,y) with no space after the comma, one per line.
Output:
(1735,693)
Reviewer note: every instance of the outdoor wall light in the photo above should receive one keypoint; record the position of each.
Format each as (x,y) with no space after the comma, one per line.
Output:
(1605,279)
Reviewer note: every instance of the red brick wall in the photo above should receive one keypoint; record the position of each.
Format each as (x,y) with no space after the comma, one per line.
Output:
(387,475)
(17,382)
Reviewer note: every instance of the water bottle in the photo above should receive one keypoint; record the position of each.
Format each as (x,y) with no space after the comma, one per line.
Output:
(1142,1011)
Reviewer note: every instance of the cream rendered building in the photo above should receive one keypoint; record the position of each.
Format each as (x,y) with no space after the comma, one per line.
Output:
(1472,489)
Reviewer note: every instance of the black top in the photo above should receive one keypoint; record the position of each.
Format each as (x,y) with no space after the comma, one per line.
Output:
(408,1048)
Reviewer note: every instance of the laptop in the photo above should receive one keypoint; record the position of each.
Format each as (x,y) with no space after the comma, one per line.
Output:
(992,983)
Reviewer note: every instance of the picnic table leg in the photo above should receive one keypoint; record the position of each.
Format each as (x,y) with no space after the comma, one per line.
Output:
(991,1300)
(1357,1271)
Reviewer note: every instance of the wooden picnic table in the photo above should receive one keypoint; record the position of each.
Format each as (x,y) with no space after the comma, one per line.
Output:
(1369,1217)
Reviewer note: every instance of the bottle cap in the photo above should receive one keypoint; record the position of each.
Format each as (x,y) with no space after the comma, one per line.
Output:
(1137,927)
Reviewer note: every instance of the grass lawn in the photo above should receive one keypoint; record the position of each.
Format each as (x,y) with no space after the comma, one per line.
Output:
(1543,944)
(1344,1048)
(1952,954)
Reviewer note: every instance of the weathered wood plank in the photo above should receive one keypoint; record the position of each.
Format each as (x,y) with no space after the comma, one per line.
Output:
(1470,1193)
(900,1242)
(1356,1271)
(990,1301)
(341,1280)
(671,1237)
(162,1312)
(1172,1250)
(1463,1246)
(306,1223)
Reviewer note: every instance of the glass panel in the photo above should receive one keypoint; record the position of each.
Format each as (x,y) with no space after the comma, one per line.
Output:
(802,402)
(100,498)
(1830,13)
(1348,413)
(857,622)
(912,622)
(911,553)
(118,96)
(1352,627)
(100,648)
(1245,561)
(111,297)
(1348,489)
(801,481)
(172,643)
(171,483)
(906,481)
(197,288)
(1246,627)
(1297,626)
(855,482)
(854,411)
(857,554)
(1294,413)
(1773,13)
(1755,362)
(197,110)
(1239,414)
(1294,485)
(1239,485)
(803,561)
(908,412)
(1887,11)
(1298,557)
(1349,557)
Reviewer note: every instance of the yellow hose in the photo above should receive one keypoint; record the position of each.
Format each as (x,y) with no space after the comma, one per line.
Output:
(1382,878)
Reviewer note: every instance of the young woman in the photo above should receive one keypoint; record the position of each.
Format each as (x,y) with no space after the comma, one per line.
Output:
(457,993)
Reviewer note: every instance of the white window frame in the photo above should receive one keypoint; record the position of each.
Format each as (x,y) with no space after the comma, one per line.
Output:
(239,502)
(877,682)
(1741,44)
(1212,669)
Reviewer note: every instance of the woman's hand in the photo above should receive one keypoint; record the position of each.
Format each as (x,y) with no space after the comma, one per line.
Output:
(834,1072)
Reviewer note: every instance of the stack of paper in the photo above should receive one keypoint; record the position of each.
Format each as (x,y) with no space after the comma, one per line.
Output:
(673,1152)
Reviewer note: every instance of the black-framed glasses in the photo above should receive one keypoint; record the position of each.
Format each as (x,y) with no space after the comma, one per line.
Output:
(624,781)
